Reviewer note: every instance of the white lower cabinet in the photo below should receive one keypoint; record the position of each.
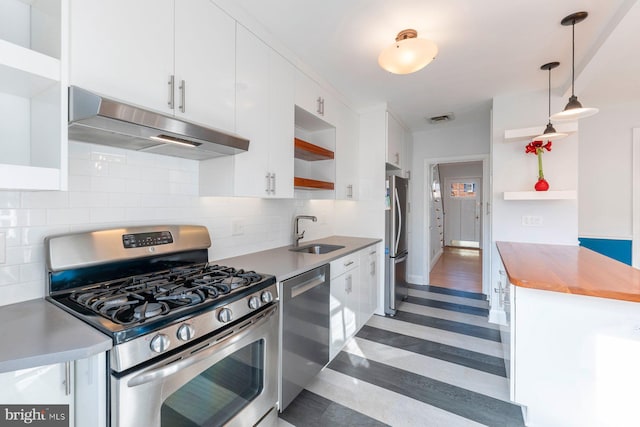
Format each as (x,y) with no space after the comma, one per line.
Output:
(81,384)
(369,276)
(344,306)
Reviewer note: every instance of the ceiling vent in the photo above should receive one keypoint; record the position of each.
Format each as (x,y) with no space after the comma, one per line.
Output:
(441,119)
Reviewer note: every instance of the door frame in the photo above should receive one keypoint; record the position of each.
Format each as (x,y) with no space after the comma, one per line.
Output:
(486,220)
(635,239)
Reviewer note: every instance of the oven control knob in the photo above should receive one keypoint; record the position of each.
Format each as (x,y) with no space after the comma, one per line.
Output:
(225,315)
(254,303)
(185,332)
(266,297)
(160,343)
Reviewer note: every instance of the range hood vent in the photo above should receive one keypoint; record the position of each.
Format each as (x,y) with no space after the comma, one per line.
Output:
(99,120)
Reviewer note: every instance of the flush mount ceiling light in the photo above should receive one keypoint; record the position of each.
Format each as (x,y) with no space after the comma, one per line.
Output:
(550,132)
(408,54)
(574,109)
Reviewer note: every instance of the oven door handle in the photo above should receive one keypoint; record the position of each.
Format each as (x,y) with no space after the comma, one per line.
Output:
(239,331)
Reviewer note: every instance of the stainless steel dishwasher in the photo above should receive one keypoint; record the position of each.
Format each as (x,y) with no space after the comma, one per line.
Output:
(305,331)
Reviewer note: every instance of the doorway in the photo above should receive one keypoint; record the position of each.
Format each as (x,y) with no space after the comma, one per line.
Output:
(461,206)
(457,223)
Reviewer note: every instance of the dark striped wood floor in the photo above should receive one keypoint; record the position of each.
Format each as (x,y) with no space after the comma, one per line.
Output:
(437,363)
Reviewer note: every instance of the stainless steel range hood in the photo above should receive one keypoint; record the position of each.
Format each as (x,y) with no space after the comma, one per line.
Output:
(99,120)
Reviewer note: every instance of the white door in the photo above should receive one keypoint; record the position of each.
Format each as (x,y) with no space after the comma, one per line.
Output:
(462,207)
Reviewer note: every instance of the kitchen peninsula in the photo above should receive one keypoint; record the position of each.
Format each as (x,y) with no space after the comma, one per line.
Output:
(574,335)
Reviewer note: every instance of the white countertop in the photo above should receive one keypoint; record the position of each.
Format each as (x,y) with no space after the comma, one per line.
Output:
(284,264)
(35,333)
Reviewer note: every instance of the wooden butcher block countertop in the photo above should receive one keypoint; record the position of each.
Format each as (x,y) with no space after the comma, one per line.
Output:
(570,270)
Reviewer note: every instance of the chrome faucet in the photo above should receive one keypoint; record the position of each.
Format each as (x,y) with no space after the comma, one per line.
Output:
(297,236)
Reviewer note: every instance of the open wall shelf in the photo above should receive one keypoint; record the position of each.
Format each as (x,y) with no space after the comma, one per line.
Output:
(307,151)
(311,184)
(541,195)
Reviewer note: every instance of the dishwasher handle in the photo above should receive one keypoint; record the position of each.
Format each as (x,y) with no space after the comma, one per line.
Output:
(307,285)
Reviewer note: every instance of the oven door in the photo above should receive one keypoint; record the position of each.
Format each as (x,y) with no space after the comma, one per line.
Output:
(229,379)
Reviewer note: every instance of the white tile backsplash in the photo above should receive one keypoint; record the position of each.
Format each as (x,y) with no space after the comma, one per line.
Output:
(9,199)
(110,187)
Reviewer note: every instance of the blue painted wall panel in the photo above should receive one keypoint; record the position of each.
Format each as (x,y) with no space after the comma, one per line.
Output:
(616,249)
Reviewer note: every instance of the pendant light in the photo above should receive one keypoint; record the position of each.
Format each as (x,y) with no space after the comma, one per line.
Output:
(408,54)
(550,132)
(574,109)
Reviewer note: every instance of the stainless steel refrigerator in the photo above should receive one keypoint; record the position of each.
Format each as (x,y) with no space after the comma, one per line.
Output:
(396,249)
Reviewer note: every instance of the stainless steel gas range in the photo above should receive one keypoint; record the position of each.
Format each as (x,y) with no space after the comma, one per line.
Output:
(194,343)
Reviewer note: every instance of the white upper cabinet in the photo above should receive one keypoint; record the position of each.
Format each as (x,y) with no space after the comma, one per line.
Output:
(347,134)
(281,129)
(170,56)
(311,97)
(123,49)
(265,115)
(33,79)
(204,64)
(395,143)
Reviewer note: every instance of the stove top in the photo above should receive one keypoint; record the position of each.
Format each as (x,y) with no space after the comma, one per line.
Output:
(134,300)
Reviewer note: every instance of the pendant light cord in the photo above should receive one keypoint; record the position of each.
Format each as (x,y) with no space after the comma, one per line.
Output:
(549,95)
(573,57)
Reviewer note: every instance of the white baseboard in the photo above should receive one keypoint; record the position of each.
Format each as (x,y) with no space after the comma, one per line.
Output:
(497,316)
(415,279)
(435,259)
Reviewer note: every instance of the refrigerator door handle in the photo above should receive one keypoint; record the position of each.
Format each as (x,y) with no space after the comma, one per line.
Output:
(398,260)
(399,211)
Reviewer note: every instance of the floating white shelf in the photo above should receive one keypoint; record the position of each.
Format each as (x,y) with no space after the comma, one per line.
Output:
(528,133)
(541,195)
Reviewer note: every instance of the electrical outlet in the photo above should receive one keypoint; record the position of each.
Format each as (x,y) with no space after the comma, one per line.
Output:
(532,221)
(3,248)
(237,227)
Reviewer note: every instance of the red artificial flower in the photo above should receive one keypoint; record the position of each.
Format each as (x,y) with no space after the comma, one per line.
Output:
(537,148)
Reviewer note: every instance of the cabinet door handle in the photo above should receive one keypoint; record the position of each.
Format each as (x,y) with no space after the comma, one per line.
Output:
(347,264)
(372,252)
(348,283)
(319,108)
(172,96)
(273,183)
(322,107)
(267,186)
(397,158)
(183,95)
(373,268)
(350,191)
(67,378)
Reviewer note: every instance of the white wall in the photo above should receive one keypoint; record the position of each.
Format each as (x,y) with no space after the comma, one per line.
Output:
(513,170)
(447,141)
(112,187)
(605,173)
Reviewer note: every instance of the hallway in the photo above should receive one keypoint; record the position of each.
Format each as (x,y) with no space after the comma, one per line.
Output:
(458,268)
(437,363)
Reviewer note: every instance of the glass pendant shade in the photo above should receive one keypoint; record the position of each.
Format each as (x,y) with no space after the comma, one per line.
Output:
(408,54)
(574,109)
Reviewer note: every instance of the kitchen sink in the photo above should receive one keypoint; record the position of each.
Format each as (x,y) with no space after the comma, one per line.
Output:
(317,249)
